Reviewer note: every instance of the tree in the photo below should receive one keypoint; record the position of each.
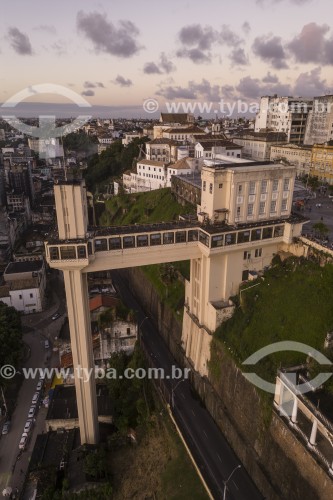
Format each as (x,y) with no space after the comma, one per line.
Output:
(313,182)
(321,229)
(10,336)
(95,464)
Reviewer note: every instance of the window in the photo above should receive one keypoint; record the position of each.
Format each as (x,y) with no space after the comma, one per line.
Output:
(263,187)
(267,232)
(68,252)
(255,234)
(54,253)
(181,237)
(81,252)
(142,240)
(250,209)
(217,241)
(20,296)
(243,236)
(192,235)
(275,185)
(238,211)
(246,255)
(204,238)
(155,239)
(262,208)
(240,189)
(210,188)
(258,252)
(220,186)
(273,206)
(128,242)
(31,295)
(168,238)
(252,187)
(278,231)
(128,331)
(230,239)
(204,186)
(286,184)
(284,204)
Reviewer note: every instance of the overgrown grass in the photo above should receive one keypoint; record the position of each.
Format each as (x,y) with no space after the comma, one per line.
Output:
(150,207)
(153,206)
(293,301)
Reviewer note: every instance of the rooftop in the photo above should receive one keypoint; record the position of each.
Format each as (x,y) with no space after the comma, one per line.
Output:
(101,300)
(63,403)
(174,118)
(24,267)
(151,162)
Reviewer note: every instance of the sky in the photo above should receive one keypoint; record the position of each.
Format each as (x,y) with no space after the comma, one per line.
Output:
(121,53)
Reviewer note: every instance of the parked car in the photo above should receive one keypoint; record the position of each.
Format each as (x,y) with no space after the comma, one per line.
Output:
(32,411)
(23,441)
(95,290)
(39,386)
(28,425)
(47,344)
(35,398)
(55,316)
(6,427)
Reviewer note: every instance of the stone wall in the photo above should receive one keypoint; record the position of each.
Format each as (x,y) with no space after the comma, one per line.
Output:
(276,460)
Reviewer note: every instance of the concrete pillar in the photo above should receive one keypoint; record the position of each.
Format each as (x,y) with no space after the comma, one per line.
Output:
(82,350)
(313,436)
(294,412)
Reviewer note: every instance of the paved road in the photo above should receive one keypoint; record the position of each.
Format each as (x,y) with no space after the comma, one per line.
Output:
(38,327)
(212,452)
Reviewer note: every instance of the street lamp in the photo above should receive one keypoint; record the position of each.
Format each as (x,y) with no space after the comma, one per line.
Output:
(226,482)
(172,393)
(139,327)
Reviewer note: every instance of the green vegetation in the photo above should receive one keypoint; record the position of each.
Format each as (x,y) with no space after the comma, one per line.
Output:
(132,398)
(321,229)
(95,463)
(150,207)
(153,206)
(293,301)
(10,336)
(80,142)
(112,162)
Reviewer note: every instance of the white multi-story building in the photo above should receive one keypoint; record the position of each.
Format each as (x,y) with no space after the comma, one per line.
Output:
(300,156)
(212,148)
(284,114)
(248,191)
(319,127)
(164,150)
(257,145)
(25,283)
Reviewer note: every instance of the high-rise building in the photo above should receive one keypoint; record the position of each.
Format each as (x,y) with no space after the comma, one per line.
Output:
(284,114)
(319,127)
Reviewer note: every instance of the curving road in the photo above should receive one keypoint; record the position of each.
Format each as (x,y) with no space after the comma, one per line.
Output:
(210,449)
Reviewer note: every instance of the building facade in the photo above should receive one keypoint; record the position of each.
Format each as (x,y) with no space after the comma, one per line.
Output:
(319,127)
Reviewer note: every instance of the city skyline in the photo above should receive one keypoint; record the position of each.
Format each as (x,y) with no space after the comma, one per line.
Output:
(120,55)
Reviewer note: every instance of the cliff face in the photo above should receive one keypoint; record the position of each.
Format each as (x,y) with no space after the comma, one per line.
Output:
(277,461)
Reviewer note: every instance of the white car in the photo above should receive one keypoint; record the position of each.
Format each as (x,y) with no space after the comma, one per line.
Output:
(32,411)
(39,386)
(28,425)
(35,398)
(23,441)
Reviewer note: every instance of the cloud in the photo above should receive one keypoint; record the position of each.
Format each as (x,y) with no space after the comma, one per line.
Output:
(253,88)
(228,37)
(120,42)
(312,46)
(122,82)
(150,68)
(238,57)
(202,90)
(196,35)
(59,47)
(295,2)
(163,66)
(100,85)
(166,64)
(310,84)
(88,93)
(48,28)
(89,85)
(270,49)
(246,27)
(197,41)
(20,42)
(269,78)
(195,55)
